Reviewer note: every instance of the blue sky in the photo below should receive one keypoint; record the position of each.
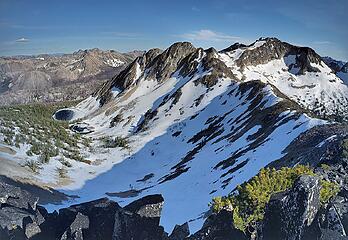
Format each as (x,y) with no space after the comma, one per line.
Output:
(35,26)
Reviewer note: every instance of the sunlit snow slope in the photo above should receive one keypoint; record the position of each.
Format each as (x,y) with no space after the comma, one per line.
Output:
(200,122)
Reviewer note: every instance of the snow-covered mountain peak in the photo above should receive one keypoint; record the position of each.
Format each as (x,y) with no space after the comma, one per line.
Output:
(298,72)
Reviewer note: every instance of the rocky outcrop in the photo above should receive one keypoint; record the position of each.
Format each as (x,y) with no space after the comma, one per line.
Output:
(266,49)
(149,206)
(219,226)
(321,144)
(329,159)
(166,63)
(21,218)
(345,68)
(289,215)
(335,65)
(158,66)
(180,232)
(295,214)
(234,47)
(19,215)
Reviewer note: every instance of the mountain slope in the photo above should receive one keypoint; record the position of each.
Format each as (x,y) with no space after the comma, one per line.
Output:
(343,73)
(192,124)
(46,77)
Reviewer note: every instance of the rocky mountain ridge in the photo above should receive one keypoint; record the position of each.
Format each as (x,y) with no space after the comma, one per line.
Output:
(340,68)
(335,65)
(48,78)
(266,60)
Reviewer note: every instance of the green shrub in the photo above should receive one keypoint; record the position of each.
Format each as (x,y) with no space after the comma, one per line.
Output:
(325,167)
(86,141)
(66,163)
(33,124)
(62,172)
(328,190)
(109,142)
(33,165)
(249,204)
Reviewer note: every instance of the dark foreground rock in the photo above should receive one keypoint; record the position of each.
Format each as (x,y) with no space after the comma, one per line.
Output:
(289,215)
(219,227)
(296,214)
(21,218)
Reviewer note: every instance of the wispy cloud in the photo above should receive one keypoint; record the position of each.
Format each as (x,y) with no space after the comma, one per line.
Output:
(123,35)
(22,40)
(321,42)
(195,9)
(208,35)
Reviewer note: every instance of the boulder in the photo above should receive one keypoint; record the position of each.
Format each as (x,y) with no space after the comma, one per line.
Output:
(19,218)
(180,232)
(149,206)
(105,219)
(14,196)
(289,214)
(219,227)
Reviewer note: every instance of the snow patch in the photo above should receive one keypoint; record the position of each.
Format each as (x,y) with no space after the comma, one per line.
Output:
(114,62)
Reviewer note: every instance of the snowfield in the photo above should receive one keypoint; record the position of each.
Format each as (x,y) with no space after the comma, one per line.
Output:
(191,142)
(149,166)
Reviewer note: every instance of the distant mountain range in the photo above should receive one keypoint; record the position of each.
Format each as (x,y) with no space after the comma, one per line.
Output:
(58,77)
(338,67)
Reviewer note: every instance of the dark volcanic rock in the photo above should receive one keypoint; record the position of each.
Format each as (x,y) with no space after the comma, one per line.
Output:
(219,227)
(180,232)
(14,196)
(159,65)
(105,219)
(345,68)
(234,47)
(335,65)
(289,215)
(166,63)
(149,206)
(321,144)
(19,217)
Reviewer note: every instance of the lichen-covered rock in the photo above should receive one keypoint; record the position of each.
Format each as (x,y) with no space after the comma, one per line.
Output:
(75,231)
(19,218)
